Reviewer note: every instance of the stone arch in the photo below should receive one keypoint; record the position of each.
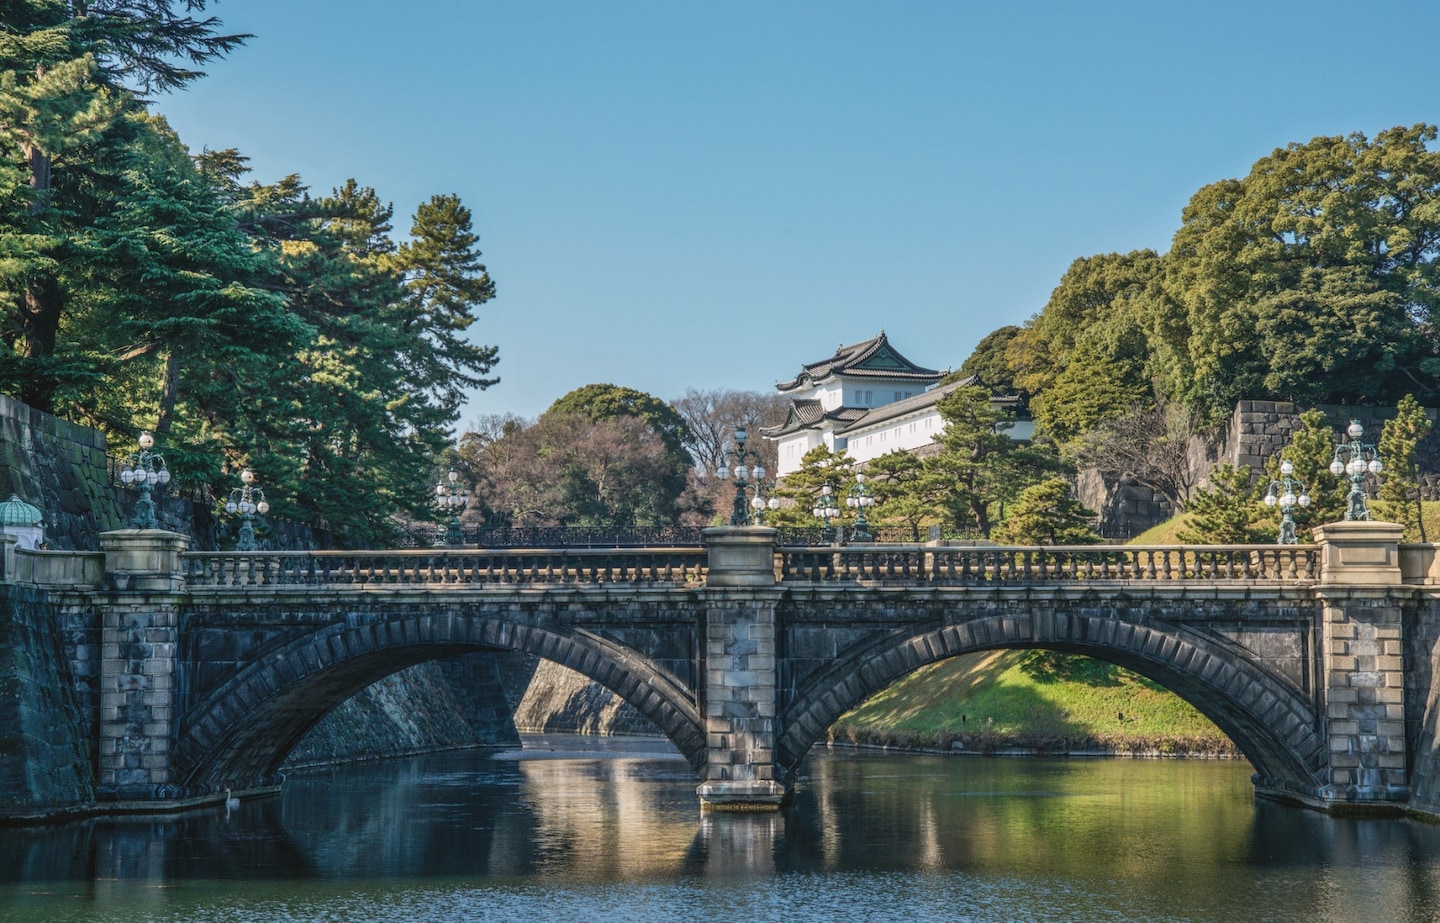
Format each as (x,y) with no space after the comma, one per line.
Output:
(1273,723)
(241,732)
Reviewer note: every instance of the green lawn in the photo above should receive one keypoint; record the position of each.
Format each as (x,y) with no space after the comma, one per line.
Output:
(1042,700)
(1034,699)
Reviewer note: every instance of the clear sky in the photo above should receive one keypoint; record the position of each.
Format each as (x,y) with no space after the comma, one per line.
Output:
(685,194)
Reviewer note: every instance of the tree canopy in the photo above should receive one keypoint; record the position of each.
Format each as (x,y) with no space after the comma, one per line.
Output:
(1315,278)
(246,323)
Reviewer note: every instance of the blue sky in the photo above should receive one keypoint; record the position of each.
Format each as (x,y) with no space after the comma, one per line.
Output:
(685,194)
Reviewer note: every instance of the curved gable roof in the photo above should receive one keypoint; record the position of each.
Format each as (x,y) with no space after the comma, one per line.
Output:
(873,358)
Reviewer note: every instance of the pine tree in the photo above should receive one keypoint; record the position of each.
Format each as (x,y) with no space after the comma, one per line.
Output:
(68,72)
(1228,511)
(803,488)
(1400,486)
(1047,514)
(903,494)
(979,468)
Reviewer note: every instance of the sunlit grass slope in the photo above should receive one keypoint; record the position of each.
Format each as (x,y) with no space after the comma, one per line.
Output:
(1031,699)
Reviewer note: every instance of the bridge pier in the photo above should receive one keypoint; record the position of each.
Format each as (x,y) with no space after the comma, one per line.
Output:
(138,656)
(740,680)
(1363,665)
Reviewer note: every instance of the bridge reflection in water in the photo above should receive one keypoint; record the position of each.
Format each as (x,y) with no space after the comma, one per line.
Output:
(1315,660)
(618,836)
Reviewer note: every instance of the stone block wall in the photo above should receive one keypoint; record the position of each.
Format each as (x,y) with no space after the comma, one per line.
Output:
(62,468)
(1422,701)
(1365,696)
(1257,432)
(1261,430)
(45,761)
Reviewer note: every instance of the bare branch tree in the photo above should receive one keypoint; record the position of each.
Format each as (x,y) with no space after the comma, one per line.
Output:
(1149,445)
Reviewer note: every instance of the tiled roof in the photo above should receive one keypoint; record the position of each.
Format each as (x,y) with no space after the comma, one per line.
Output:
(808,414)
(872,358)
(920,402)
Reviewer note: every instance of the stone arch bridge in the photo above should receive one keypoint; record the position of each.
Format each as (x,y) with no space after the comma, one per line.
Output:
(1317,660)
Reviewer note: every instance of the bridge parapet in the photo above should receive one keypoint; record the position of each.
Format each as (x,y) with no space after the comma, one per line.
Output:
(917,565)
(58,569)
(478,567)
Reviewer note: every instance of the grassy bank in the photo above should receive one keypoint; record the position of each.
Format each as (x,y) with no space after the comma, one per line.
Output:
(1038,700)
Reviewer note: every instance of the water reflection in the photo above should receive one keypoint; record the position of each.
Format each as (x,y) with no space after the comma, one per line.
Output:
(991,839)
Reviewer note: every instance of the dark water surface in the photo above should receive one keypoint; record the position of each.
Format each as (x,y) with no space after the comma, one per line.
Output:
(566,833)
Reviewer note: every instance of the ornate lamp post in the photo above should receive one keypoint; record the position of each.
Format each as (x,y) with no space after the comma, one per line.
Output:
(449,495)
(763,500)
(1355,459)
(247,500)
(1283,493)
(740,456)
(826,509)
(145,470)
(859,499)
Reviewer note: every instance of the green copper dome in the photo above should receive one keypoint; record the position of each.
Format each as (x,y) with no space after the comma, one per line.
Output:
(16,512)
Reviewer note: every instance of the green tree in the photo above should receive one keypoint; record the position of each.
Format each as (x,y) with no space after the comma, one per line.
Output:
(666,500)
(606,402)
(904,495)
(802,487)
(1313,278)
(1400,487)
(66,69)
(444,282)
(988,361)
(1089,343)
(1228,511)
(979,468)
(1047,514)
(1089,390)
(1311,449)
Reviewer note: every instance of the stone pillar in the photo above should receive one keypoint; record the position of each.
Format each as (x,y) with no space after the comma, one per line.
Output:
(138,656)
(1362,656)
(740,677)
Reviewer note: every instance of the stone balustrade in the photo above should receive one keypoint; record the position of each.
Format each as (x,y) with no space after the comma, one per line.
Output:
(908,565)
(461,567)
(895,565)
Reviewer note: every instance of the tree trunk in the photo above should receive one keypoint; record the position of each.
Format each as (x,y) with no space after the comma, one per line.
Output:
(40,314)
(168,395)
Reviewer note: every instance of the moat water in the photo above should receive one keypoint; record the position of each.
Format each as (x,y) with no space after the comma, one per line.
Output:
(565,832)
